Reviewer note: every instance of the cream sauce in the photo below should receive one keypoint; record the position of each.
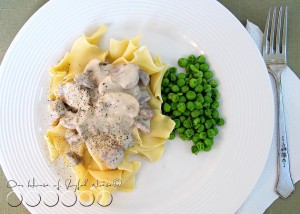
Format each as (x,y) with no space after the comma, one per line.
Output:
(103,106)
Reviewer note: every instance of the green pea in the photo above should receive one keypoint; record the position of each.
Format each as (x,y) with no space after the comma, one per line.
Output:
(197,65)
(207,149)
(175,88)
(173,77)
(204,67)
(181,107)
(207,99)
(204,81)
(180,130)
(200,146)
(201,59)
(182,118)
(187,113)
(166,90)
(171,84)
(194,69)
(181,82)
(181,76)
(201,111)
(207,112)
(177,123)
(188,137)
(164,97)
(172,70)
(199,88)
(202,119)
(206,105)
(189,132)
(207,88)
(213,122)
(190,76)
(182,136)
(187,124)
(220,121)
(190,106)
(210,133)
(176,113)
(201,128)
(182,99)
(198,105)
(199,80)
(193,83)
(198,74)
(182,62)
(191,58)
(195,113)
(175,98)
(215,93)
(165,82)
(200,98)
(208,142)
(195,138)
(185,89)
(187,80)
(202,135)
(172,136)
(196,121)
(191,95)
(213,83)
(215,104)
(173,117)
(166,107)
(187,68)
(208,74)
(195,149)
(207,124)
(173,106)
(216,130)
(166,75)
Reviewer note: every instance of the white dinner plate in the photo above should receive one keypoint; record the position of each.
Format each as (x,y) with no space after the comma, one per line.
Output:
(215,182)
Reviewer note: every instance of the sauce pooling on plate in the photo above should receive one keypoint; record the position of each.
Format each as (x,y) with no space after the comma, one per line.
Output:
(102,107)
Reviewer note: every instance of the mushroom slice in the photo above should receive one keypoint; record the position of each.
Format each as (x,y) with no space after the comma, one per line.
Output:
(121,104)
(126,76)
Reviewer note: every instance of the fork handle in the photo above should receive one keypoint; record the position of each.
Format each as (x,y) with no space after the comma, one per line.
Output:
(285,185)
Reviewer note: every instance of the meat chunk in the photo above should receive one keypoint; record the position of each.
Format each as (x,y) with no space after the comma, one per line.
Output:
(75,96)
(59,107)
(146,113)
(143,125)
(72,137)
(74,158)
(127,76)
(144,78)
(144,96)
(105,146)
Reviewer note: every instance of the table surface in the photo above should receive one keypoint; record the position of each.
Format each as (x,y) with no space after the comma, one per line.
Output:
(14,13)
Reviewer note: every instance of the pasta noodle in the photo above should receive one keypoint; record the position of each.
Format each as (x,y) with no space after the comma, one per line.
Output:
(101,180)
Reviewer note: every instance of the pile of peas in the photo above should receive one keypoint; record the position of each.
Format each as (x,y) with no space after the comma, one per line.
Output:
(191,100)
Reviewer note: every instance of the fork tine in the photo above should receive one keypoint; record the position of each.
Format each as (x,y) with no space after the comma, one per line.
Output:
(284,33)
(273,27)
(279,31)
(266,35)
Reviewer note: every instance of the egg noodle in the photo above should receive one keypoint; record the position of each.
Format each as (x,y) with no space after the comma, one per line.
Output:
(150,145)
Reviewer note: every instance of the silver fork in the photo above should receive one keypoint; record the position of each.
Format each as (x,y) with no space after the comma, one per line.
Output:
(275,56)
